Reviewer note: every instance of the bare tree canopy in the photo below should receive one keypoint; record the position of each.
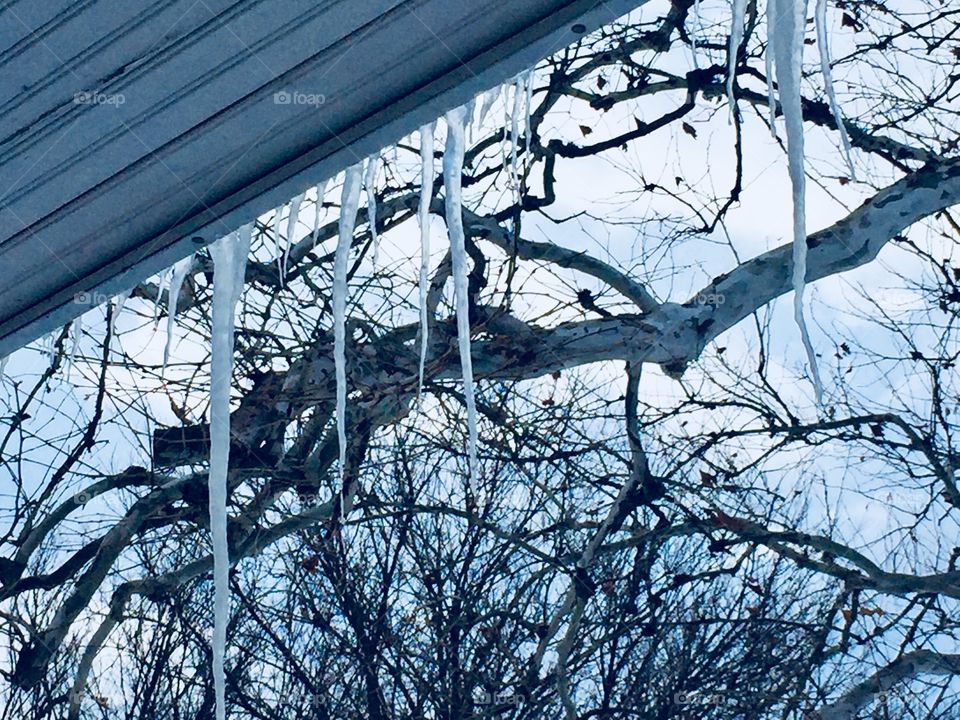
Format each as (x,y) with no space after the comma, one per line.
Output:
(671,526)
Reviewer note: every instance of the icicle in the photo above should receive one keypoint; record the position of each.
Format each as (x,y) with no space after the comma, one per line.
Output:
(76,329)
(452,170)
(423,215)
(118,302)
(788,54)
(278,242)
(321,193)
(823,44)
(514,136)
(349,203)
(180,271)
(291,227)
(229,262)
(471,109)
(489,98)
(736,37)
(527,130)
(696,29)
(161,284)
(370,183)
(3,365)
(768,63)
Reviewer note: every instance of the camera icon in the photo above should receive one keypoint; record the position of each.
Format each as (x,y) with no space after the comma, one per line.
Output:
(82,498)
(282,98)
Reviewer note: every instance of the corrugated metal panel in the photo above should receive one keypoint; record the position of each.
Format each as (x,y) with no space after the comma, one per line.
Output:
(131,132)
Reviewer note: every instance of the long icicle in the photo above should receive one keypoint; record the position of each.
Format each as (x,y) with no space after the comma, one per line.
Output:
(349,203)
(452,169)
(229,261)
(788,49)
(820,17)
(423,215)
(736,37)
(370,184)
(180,271)
(768,61)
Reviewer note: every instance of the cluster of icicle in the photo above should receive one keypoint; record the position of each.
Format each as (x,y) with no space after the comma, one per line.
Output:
(786,20)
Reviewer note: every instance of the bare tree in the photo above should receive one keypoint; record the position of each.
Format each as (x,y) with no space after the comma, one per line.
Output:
(671,527)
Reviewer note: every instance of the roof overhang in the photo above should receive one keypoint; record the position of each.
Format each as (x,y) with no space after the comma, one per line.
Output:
(132,133)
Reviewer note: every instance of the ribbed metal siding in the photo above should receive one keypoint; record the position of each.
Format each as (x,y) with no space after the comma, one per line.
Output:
(130,132)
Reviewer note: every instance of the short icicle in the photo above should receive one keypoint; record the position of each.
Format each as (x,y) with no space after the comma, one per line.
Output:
(180,271)
(349,203)
(736,37)
(76,330)
(423,216)
(118,302)
(489,98)
(317,207)
(291,228)
(820,16)
(278,243)
(452,170)
(229,263)
(788,54)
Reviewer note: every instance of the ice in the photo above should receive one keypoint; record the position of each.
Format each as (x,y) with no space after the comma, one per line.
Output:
(163,282)
(528,126)
(3,365)
(318,206)
(76,330)
(229,263)
(695,31)
(471,109)
(824,46)
(788,53)
(291,227)
(180,271)
(370,183)
(118,302)
(515,139)
(452,170)
(489,98)
(736,37)
(423,215)
(278,242)
(768,62)
(349,203)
